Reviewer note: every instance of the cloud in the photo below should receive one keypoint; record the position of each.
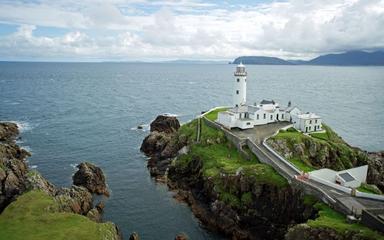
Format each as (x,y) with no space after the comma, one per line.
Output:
(140,29)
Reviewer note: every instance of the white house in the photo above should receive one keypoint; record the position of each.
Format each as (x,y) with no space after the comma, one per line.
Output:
(245,116)
(348,178)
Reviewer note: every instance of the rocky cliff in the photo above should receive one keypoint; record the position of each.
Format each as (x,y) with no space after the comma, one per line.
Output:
(16,179)
(240,203)
(243,198)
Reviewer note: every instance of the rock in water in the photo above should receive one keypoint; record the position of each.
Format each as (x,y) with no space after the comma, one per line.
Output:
(167,124)
(8,131)
(90,177)
(181,236)
(134,236)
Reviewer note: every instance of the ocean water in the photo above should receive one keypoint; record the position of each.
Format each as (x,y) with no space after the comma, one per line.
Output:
(74,112)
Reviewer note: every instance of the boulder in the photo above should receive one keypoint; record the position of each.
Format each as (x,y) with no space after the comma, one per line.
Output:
(134,236)
(90,177)
(167,124)
(181,236)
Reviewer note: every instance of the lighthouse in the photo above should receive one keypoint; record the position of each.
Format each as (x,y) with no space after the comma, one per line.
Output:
(240,86)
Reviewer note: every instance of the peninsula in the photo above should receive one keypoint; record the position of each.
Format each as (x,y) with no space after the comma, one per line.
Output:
(267,172)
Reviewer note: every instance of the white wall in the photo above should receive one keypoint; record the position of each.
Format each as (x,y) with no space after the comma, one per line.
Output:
(241,86)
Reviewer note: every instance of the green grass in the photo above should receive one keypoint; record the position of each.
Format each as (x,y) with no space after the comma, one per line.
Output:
(220,156)
(309,200)
(368,188)
(302,166)
(34,215)
(321,135)
(212,115)
(329,218)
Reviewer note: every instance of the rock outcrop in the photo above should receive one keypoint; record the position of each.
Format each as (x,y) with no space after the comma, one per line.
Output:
(13,169)
(376,169)
(267,216)
(161,144)
(265,211)
(163,123)
(16,178)
(305,232)
(90,177)
(8,131)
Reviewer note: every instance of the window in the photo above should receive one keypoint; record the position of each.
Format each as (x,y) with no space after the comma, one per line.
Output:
(257,116)
(316,121)
(238,80)
(271,117)
(310,122)
(265,115)
(309,128)
(248,123)
(282,116)
(237,91)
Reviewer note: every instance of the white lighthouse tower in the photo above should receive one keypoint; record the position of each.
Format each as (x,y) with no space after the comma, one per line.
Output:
(240,89)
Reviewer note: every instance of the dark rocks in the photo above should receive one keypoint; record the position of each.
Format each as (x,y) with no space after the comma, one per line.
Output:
(305,232)
(91,177)
(134,236)
(8,131)
(376,169)
(167,124)
(13,169)
(161,144)
(181,236)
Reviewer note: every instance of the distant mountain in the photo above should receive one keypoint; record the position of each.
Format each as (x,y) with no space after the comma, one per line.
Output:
(187,61)
(259,60)
(352,58)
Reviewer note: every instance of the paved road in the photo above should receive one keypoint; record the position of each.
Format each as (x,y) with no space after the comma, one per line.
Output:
(259,133)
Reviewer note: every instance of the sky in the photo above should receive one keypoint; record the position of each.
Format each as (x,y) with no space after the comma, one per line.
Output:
(152,30)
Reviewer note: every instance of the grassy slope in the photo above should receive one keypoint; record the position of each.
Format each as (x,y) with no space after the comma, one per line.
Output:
(221,156)
(329,218)
(212,115)
(34,215)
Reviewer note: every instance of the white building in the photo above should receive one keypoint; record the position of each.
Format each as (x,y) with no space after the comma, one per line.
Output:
(245,116)
(348,178)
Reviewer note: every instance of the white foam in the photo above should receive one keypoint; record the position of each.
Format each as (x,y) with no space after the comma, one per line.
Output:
(33,167)
(73,165)
(170,114)
(23,126)
(27,148)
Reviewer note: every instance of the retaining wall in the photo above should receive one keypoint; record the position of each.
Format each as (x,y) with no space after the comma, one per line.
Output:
(369,195)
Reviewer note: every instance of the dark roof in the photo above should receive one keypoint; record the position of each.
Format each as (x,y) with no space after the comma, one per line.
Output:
(347,177)
(267,102)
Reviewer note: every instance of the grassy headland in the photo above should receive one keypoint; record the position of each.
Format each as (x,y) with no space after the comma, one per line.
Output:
(35,215)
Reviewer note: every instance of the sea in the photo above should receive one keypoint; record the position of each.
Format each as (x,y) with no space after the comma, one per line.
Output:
(75,112)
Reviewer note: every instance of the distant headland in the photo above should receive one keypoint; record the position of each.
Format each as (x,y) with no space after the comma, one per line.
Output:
(351,58)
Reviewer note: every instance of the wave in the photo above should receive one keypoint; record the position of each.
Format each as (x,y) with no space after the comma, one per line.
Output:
(33,166)
(73,165)
(23,126)
(170,114)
